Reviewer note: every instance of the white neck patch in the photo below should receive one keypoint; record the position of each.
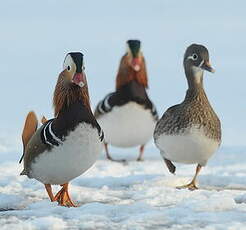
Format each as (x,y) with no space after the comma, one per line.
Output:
(197,73)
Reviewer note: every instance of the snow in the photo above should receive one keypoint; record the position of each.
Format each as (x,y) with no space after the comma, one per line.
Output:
(131,195)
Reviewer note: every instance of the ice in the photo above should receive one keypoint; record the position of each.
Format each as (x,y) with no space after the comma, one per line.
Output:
(134,195)
(10,202)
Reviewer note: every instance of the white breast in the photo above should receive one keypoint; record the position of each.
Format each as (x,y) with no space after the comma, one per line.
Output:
(190,148)
(78,153)
(128,125)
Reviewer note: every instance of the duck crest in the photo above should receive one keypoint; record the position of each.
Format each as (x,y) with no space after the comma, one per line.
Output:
(126,73)
(66,94)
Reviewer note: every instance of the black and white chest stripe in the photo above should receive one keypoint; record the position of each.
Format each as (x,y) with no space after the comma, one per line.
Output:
(48,136)
(101,134)
(104,106)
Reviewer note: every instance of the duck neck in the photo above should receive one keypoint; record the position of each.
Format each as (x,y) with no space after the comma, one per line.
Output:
(127,74)
(195,90)
(133,90)
(194,77)
(67,94)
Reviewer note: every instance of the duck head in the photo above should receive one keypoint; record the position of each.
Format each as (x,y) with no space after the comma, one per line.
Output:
(132,66)
(196,60)
(73,69)
(134,54)
(71,85)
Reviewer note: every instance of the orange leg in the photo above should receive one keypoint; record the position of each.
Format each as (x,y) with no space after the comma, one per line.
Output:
(49,191)
(58,195)
(63,198)
(192,185)
(141,151)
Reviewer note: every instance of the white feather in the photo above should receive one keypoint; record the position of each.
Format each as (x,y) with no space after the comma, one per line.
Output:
(52,134)
(106,104)
(128,125)
(68,61)
(78,153)
(190,148)
(100,108)
(45,137)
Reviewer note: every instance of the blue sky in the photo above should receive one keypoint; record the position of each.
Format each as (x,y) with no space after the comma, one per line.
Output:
(35,36)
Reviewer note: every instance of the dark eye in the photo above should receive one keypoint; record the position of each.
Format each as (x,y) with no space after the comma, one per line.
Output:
(68,68)
(83,68)
(194,56)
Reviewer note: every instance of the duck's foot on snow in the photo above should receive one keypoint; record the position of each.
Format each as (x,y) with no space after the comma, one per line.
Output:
(63,197)
(191,186)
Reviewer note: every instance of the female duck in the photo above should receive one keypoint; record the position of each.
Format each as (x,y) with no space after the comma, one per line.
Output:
(190,132)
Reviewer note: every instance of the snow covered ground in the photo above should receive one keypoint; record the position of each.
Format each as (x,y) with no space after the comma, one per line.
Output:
(135,195)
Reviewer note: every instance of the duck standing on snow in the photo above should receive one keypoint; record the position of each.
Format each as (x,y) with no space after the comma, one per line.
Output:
(127,116)
(190,132)
(64,147)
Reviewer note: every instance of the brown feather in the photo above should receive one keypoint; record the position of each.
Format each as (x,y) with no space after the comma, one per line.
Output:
(195,109)
(44,120)
(126,73)
(30,127)
(67,93)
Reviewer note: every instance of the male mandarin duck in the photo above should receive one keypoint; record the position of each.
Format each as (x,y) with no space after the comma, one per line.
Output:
(128,116)
(66,146)
(190,132)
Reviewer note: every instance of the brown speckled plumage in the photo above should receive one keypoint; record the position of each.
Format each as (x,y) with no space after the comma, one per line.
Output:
(194,110)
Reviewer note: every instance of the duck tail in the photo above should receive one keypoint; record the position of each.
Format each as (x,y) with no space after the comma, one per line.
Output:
(30,127)
(23,172)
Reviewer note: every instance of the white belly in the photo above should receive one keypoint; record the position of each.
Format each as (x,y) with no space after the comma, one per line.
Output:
(78,153)
(190,148)
(128,125)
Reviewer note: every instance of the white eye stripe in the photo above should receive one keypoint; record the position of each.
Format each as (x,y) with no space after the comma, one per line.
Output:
(200,65)
(193,57)
(190,57)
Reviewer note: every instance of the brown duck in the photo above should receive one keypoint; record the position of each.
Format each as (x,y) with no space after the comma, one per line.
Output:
(190,132)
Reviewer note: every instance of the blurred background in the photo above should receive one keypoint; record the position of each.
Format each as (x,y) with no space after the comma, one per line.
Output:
(35,37)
